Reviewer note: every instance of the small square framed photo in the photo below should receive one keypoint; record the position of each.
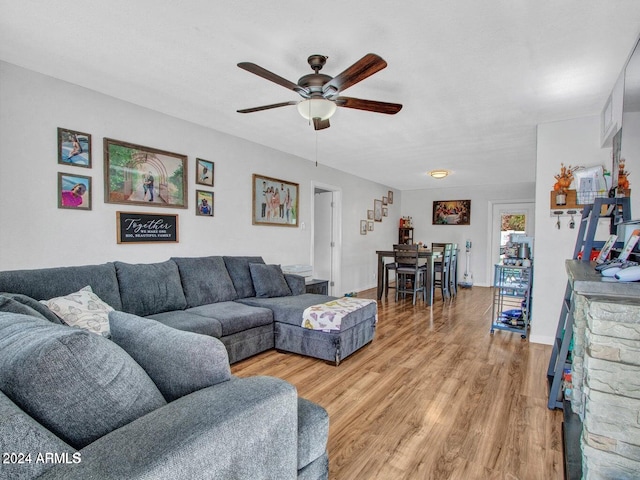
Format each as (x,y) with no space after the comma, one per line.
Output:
(204,203)
(363,227)
(390,197)
(74,148)
(385,212)
(369,214)
(385,200)
(204,172)
(74,191)
(370,226)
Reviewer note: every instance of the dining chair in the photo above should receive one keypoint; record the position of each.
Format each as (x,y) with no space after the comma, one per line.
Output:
(442,269)
(388,267)
(409,271)
(453,270)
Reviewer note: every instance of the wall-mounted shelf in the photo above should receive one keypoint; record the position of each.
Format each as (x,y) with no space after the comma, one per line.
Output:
(571,206)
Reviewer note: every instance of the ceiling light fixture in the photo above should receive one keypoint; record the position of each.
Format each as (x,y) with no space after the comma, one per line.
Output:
(316,108)
(439,173)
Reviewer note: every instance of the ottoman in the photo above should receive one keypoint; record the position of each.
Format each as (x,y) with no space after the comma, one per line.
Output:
(357,328)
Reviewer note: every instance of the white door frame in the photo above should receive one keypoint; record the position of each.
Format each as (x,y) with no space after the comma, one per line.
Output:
(528,207)
(336,256)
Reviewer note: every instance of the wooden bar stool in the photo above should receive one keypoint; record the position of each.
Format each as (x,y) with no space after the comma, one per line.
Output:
(442,269)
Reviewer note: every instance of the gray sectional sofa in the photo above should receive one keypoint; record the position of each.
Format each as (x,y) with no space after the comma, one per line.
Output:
(146,401)
(250,306)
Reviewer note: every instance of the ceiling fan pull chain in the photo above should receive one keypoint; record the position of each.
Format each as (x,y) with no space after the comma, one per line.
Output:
(316,148)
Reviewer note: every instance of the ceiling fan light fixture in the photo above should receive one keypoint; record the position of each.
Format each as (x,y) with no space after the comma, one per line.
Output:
(316,108)
(439,173)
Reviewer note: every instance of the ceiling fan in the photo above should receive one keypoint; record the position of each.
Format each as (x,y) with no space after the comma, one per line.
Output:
(321,93)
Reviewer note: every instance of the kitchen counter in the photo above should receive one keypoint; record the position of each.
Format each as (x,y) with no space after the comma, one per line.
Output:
(586,281)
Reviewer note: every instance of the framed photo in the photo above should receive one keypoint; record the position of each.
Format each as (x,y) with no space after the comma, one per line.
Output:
(135,227)
(370,226)
(204,172)
(385,212)
(369,214)
(452,212)
(363,227)
(377,210)
(385,200)
(74,191)
(137,175)
(74,148)
(390,197)
(204,203)
(275,202)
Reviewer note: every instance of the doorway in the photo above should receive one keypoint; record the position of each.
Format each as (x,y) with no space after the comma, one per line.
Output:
(509,218)
(326,244)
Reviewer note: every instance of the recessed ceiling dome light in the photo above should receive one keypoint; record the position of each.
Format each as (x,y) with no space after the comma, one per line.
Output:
(439,173)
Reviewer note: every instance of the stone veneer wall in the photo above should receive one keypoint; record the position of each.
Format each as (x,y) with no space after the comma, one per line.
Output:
(606,385)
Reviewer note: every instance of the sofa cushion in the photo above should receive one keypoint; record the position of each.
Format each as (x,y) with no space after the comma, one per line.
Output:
(234,317)
(189,362)
(10,305)
(82,309)
(189,322)
(205,280)
(78,385)
(238,268)
(150,288)
(33,305)
(268,280)
(45,283)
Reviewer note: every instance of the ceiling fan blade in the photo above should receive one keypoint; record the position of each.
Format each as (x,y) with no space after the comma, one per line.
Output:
(319,124)
(363,68)
(261,72)
(266,107)
(369,105)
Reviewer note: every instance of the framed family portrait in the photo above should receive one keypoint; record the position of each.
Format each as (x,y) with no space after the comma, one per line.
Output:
(204,203)
(204,172)
(74,148)
(275,202)
(137,175)
(74,191)
(452,212)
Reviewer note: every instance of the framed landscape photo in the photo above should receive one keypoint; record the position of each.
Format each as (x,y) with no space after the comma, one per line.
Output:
(137,175)
(74,191)
(204,172)
(204,203)
(74,148)
(452,212)
(275,202)
(377,210)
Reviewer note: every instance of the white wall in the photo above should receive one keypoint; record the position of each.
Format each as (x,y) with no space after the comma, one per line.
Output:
(34,233)
(572,142)
(419,205)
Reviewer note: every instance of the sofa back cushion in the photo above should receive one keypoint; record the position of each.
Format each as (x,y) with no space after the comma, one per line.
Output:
(33,307)
(148,288)
(79,385)
(238,268)
(205,280)
(46,283)
(178,362)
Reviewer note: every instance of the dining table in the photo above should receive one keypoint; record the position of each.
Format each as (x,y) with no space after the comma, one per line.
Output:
(429,255)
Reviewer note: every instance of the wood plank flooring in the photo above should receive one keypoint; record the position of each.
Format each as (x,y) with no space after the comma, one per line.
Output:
(434,396)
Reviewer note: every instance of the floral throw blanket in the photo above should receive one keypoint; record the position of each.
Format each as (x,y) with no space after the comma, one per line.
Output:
(328,316)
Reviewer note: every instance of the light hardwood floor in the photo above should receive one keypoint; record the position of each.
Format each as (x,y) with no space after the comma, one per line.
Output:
(434,396)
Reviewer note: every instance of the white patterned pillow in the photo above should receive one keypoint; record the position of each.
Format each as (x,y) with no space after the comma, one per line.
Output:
(82,309)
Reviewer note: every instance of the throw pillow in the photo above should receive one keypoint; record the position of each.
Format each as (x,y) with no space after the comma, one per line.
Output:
(269,281)
(82,309)
(178,362)
(238,268)
(78,385)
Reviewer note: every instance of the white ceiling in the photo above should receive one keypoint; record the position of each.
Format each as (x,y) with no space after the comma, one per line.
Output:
(475,77)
